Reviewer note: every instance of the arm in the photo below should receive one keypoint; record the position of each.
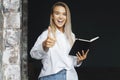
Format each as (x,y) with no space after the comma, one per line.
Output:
(42,45)
(37,50)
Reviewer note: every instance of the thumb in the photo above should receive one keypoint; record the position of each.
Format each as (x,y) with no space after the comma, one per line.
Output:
(50,34)
(49,31)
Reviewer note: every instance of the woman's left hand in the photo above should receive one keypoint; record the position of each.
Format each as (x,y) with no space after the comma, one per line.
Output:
(81,57)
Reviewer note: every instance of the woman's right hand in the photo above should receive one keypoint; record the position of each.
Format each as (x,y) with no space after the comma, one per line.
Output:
(50,41)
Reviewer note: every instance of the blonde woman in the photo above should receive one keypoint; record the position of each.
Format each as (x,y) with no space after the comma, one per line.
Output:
(53,47)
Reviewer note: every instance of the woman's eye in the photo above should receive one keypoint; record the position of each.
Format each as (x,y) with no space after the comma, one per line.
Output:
(64,14)
(56,13)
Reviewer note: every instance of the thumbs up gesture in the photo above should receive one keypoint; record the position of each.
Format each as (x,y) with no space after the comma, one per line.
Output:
(50,40)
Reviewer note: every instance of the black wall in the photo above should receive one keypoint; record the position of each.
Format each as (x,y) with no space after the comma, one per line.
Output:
(89,19)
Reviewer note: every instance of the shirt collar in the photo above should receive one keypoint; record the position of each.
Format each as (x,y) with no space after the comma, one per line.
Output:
(59,32)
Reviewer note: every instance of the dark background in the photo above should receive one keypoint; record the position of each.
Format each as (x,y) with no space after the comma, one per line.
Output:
(89,19)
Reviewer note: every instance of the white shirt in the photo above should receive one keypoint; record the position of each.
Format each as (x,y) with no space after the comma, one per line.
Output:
(56,58)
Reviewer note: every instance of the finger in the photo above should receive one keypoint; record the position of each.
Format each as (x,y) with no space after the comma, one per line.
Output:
(87,52)
(79,57)
(83,56)
(49,31)
(51,40)
(50,45)
(79,54)
(83,53)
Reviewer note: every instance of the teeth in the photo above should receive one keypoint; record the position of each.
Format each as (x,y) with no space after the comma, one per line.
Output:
(60,21)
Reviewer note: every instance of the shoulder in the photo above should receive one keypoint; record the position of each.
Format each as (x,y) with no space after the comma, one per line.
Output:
(73,35)
(43,34)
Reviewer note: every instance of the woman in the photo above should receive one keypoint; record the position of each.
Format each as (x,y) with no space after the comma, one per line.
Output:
(53,47)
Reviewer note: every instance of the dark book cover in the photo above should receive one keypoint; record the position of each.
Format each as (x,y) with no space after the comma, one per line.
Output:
(81,44)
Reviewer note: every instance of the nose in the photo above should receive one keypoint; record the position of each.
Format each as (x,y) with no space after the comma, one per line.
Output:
(60,16)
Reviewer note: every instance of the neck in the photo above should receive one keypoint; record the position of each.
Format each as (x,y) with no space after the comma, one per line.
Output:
(61,29)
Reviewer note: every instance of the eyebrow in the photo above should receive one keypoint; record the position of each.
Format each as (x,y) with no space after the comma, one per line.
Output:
(58,11)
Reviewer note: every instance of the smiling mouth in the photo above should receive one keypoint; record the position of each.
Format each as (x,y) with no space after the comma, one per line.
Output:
(60,21)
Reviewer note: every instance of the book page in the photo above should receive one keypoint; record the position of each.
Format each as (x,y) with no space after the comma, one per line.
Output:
(93,39)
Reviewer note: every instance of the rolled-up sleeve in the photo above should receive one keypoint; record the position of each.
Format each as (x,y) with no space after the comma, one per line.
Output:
(37,51)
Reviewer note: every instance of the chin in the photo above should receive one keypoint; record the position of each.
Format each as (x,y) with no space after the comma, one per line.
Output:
(60,26)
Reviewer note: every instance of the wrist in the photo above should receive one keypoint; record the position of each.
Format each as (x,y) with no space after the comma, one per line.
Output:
(79,61)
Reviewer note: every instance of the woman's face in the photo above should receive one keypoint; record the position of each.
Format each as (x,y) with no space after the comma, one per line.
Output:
(59,17)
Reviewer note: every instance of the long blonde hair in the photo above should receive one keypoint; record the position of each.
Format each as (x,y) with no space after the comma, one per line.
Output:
(67,27)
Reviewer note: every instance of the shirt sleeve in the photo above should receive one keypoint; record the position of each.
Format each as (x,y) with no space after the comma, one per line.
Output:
(75,62)
(37,50)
